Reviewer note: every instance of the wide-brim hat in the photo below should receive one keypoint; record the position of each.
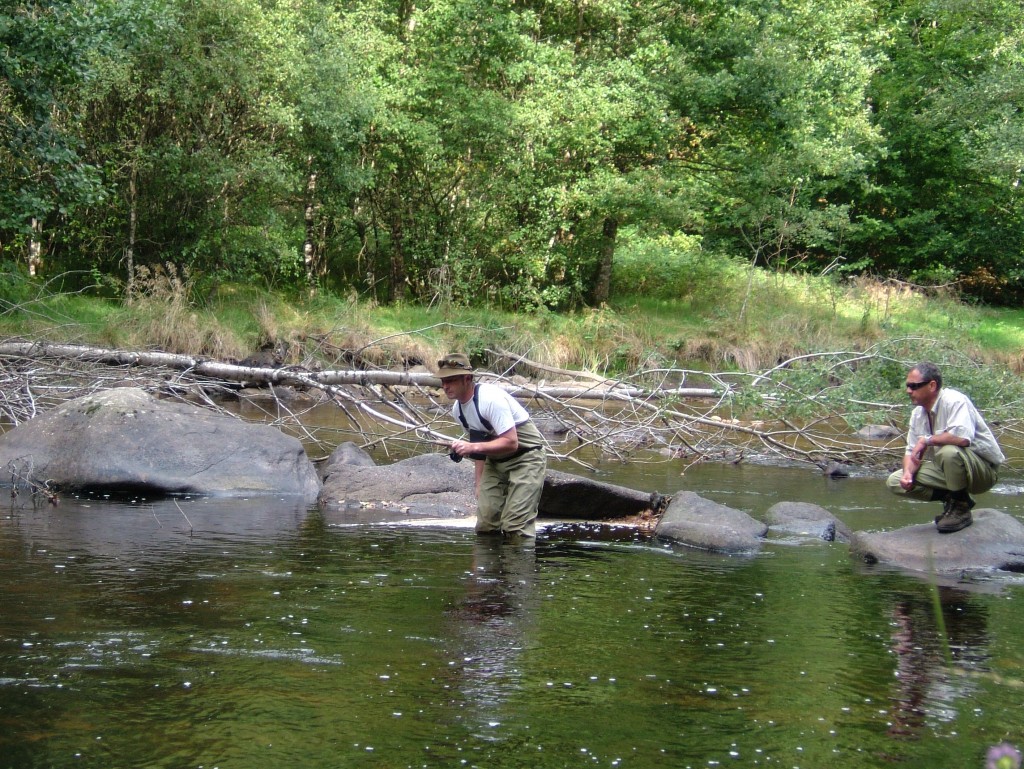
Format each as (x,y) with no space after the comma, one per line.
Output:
(455,364)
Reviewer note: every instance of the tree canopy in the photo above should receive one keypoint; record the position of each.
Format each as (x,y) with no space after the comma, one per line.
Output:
(506,150)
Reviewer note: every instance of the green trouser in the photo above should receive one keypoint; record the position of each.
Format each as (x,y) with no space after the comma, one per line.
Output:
(510,494)
(951,469)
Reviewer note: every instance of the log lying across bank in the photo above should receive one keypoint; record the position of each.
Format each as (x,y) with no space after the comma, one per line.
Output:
(294,375)
(587,415)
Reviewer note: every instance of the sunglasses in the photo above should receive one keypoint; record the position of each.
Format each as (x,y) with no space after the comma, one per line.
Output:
(917,385)
(454,364)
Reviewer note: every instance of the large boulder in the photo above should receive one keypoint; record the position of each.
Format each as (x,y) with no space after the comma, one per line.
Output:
(425,486)
(431,485)
(692,520)
(126,441)
(995,541)
(805,519)
(577,497)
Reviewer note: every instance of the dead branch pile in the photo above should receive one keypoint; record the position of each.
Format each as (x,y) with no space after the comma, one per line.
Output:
(588,417)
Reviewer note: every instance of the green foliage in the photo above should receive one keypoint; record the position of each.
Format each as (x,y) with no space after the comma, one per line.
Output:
(46,48)
(15,286)
(531,155)
(948,190)
(672,267)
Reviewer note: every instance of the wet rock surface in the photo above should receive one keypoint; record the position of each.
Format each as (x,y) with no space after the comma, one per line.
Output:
(806,519)
(692,520)
(995,541)
(126,441)
(427,486)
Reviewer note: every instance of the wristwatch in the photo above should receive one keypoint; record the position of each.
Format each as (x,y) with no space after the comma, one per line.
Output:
(927,440)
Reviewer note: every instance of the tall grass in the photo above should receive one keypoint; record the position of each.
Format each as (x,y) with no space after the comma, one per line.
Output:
(674,305)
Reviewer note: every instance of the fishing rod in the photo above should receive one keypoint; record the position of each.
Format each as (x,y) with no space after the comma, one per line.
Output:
(424,442)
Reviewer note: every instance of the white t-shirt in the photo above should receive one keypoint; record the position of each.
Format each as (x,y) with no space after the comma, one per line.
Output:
(496,406)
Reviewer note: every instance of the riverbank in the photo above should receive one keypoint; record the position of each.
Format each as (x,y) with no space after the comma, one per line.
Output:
(789,358)
(737,323)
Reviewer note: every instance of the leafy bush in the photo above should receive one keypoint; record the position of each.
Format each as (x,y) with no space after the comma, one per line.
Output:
(15,285)
(670,267)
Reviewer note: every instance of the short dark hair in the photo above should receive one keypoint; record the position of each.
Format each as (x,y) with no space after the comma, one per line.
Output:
(929,372)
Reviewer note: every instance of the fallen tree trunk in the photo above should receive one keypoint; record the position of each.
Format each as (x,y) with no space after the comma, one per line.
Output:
(601,417)
(608,389)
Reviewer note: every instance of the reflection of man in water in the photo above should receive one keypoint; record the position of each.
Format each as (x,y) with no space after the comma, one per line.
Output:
(924,687)
(493,619)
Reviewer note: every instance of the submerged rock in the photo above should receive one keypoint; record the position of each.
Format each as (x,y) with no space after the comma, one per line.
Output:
(808,520)
(692,520)
(126,441)
(995,541)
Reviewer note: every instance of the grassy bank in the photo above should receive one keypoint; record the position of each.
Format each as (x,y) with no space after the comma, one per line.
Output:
(726,319)
(853,341)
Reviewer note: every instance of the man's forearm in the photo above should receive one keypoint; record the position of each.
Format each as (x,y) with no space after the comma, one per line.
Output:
(948,439)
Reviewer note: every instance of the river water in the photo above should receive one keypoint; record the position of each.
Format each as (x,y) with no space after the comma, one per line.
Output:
(244,634)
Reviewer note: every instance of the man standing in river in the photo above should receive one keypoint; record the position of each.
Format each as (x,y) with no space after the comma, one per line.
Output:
(951,452)
(507,447)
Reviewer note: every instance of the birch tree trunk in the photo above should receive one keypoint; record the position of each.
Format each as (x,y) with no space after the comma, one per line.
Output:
(35,248)
(310,253)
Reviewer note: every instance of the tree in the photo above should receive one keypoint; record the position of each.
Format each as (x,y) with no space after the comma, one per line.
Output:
(947,198)
(212,120)
(46,46)
(776,93)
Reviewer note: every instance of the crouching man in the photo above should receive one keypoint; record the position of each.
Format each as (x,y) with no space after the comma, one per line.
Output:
(951,452)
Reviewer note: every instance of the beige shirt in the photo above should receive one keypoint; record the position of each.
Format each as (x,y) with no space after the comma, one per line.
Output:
(954,413)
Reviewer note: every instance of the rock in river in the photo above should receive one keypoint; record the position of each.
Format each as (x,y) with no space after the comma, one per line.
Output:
(808,520)
(692,520)
(124,440)
(995,541)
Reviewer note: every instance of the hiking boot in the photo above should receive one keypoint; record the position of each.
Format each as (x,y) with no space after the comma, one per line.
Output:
(956,515)
(947,504)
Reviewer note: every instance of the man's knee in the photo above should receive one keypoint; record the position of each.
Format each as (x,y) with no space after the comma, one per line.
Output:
(893,483)
(945,455)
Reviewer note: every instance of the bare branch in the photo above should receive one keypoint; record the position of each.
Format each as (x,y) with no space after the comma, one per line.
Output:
(597,418)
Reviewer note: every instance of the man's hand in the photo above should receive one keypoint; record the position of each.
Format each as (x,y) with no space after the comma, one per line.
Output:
(462,448)
(911,464)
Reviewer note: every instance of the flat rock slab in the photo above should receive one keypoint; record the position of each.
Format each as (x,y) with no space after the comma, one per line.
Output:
(432,486)
(426,486)
(806,520)
(124,440)
(995,541)
(692,520)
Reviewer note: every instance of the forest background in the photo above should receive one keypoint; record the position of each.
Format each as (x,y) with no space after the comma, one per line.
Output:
(613,185)
(510,152)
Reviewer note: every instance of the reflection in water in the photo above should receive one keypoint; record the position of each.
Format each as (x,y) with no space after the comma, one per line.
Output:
(494,619)
(926,689)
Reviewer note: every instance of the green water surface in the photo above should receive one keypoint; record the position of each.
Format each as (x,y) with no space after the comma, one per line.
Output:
(254,633)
